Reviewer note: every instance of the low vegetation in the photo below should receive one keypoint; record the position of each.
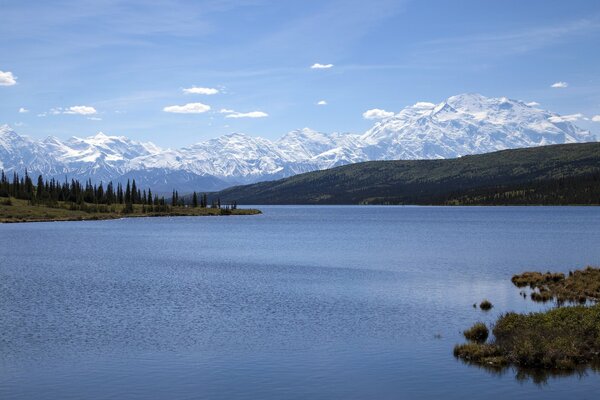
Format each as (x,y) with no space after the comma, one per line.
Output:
(577,286)
(486,305)
(23,211)
(477,333)
(562,338)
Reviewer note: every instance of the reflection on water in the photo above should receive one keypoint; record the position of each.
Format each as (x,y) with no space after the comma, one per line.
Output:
(540,377)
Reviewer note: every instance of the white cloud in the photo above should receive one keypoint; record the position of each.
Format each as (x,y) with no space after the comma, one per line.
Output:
(7,79)
(200,90)
(596,118)
(532,104)
(565,118)
(559,85)
(23,110)
(321,103)
(95,118)
(377,113)
(251,114)
(321,66)
(226,111)
(190,108)
(81,110)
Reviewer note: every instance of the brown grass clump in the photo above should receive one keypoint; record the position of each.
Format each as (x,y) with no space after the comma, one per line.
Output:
(477,333)
(579,286)
(480,353)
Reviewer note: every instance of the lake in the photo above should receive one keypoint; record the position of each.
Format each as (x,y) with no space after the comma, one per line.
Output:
(300,302)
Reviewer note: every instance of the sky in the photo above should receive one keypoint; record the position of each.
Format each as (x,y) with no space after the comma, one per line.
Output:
(178,72)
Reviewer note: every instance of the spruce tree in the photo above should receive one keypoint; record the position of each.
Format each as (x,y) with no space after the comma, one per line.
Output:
(128,193)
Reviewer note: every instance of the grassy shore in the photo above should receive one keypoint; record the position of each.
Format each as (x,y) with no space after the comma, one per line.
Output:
(564,338)
(14,210)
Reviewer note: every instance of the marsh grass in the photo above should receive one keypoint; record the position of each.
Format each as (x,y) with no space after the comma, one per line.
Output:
(560,339)
(478,333)
(577,287)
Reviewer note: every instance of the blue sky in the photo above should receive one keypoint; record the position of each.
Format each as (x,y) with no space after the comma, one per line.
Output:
(122,67)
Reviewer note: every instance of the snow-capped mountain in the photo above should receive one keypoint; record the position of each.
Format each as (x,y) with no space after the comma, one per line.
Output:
(460,125)
(467,124)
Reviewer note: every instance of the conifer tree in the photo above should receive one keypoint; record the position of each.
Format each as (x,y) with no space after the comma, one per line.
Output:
(128,193)
(133,198)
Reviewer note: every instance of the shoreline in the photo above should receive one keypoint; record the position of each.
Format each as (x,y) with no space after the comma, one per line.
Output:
(17,211)
(251,211)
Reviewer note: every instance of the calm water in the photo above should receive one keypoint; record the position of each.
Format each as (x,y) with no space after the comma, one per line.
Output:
(300,302)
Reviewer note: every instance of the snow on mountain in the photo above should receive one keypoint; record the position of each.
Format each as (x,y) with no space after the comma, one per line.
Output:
(466,124)
(460,125)
(20,152)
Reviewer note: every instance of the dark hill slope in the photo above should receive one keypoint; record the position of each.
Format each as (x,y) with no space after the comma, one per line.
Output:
(558,174)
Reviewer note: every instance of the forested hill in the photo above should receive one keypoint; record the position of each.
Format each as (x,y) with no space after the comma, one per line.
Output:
(558,174)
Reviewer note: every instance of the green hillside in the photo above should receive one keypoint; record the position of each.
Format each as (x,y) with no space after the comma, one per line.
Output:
(558,174)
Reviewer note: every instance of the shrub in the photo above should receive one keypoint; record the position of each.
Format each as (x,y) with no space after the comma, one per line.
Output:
(486,305)
(477,333)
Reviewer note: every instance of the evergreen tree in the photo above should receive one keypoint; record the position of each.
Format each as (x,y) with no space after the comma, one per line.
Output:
(133,198)
(128,193)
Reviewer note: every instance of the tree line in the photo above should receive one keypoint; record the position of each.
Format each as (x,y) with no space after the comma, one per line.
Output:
(89,196)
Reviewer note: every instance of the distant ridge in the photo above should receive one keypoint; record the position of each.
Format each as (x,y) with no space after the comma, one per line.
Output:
(557,174)
(460,125)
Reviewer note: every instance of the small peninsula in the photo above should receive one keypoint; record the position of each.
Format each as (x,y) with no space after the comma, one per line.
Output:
(49,200)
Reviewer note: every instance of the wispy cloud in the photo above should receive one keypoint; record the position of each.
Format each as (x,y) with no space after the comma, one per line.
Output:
(79,110)
(565,118)
(377,113)
(234,114)
(321,103)
(596,118)
(321,66)
(190,108)
(23,110)
(7,78)
(559,85)
(532,104)
(201,90)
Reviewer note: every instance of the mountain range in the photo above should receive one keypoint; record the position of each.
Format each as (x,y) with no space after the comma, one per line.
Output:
(460,125)
(562,174)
